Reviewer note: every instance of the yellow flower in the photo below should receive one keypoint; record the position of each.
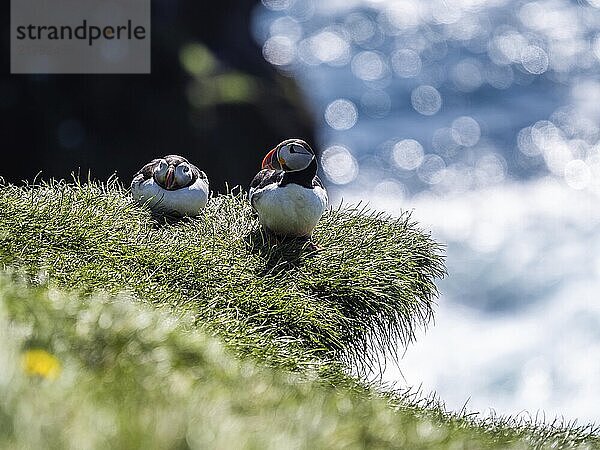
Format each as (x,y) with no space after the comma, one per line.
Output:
(41,363)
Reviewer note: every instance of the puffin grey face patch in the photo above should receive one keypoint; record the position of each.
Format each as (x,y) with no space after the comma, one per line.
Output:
(294,156)
(160,172)
(183,174)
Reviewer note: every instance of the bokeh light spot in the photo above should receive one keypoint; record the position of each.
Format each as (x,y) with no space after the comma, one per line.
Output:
(403,14)
(466,131)
(368,66)
(341,114)
(431,171)
(500,77)
(446,12)
(235,87)
(329,47)
(360,27)
(467,76)
(278,5)
(490,169)
(339,165)
(506,48)
(526,144)
(534,59)
(279,50)
(408,154)
(196,59)
(443,142)
(426,100)
(406,63)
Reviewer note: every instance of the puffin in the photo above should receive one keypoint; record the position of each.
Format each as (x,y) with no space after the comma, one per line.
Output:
(172,186)
(287,194)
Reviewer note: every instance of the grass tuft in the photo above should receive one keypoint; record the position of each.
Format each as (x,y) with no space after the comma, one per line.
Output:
(367,289)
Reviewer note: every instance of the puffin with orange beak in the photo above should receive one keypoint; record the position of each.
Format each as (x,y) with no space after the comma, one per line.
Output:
(287,194)
(171,185)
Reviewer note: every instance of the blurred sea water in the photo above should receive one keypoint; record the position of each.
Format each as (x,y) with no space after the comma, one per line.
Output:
(481,116)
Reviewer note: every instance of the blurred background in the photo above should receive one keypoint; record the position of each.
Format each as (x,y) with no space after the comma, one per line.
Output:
(211,97)
(480,116)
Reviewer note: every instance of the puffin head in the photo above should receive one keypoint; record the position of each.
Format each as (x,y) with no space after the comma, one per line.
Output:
(291,155)
(183,174)
(173,172)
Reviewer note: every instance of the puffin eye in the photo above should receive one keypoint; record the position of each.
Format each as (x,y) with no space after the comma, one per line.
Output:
(292,150)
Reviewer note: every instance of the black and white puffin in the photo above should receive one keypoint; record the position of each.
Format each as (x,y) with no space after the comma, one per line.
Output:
(171,185)
(287,194)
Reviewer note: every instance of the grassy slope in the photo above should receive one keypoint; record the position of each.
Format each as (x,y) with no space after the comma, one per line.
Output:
(370,286)
(129,379)
(133,378)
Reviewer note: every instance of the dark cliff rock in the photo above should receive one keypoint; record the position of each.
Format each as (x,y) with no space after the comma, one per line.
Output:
(210,97)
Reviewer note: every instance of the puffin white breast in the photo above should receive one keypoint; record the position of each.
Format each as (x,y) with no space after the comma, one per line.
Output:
(186,201)
(290,210)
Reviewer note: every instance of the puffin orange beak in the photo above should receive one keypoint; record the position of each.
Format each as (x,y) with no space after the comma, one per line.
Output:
(170,177)
(270,161)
